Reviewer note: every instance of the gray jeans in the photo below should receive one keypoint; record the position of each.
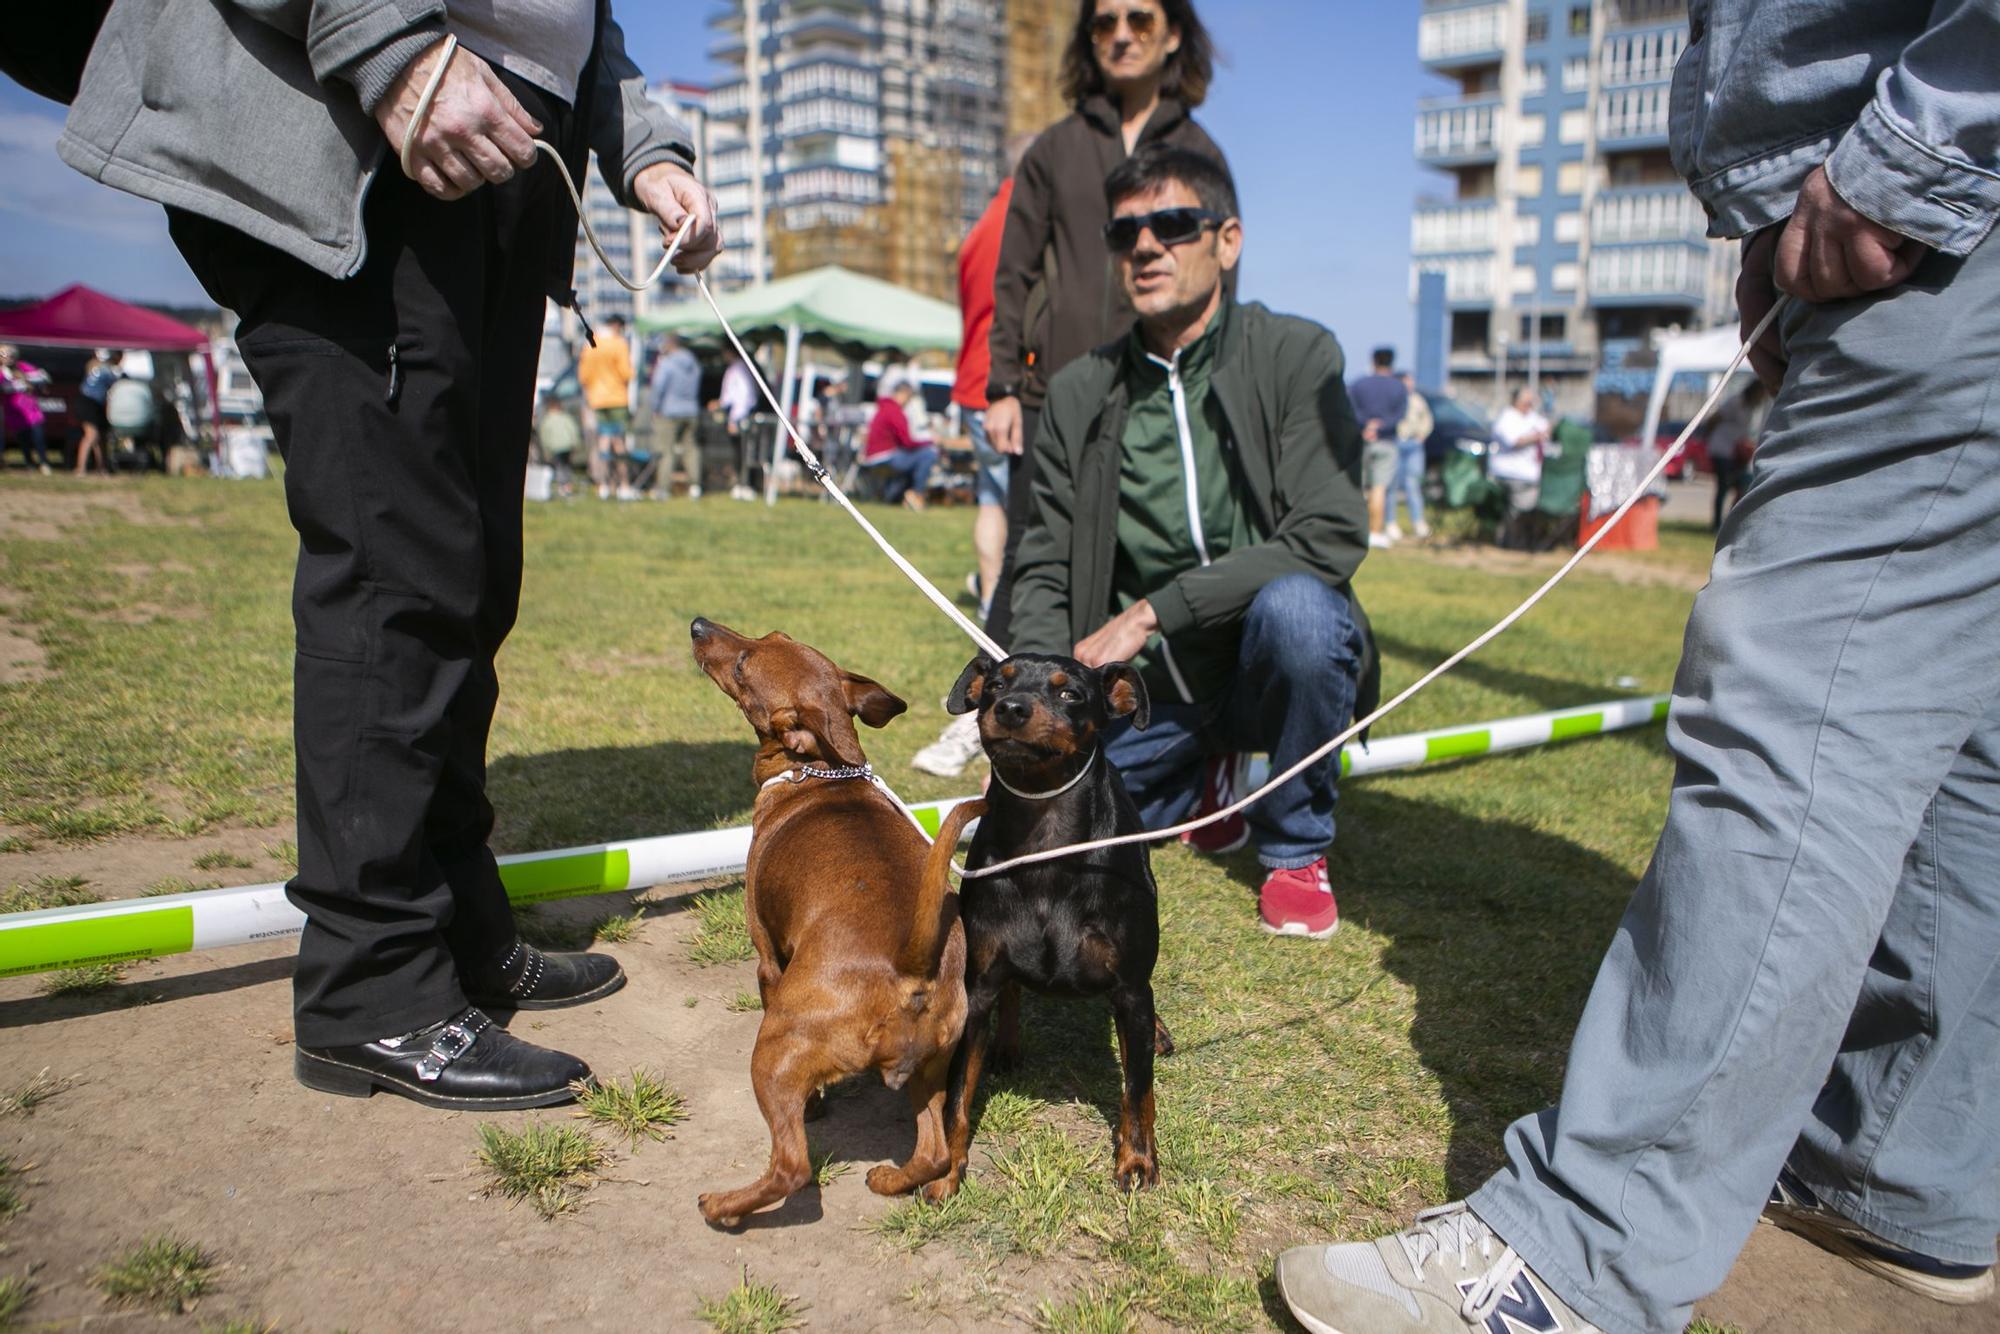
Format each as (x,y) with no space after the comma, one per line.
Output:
(1810,969)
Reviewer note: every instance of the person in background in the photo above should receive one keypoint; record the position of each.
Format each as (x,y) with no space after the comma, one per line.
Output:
(1798,1017)
(1732,440)
(893,446)
(1516,461)
(1134,71)
(99,373)
(20,391)
(560,436)
(1197,515)
(1411,432)
(605,372)
(676,400)
(1380,401)
(958,745)
(738,404)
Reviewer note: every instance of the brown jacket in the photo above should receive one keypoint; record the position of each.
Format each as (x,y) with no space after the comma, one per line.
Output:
(1059,214)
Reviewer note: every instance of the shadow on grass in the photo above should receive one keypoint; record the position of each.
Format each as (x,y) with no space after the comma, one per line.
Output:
(1544,692)
(565,797)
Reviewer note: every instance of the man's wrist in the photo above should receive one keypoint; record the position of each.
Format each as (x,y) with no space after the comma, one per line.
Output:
(995,393)
(374,75)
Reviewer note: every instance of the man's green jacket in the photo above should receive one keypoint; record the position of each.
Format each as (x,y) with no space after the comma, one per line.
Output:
(1281,386)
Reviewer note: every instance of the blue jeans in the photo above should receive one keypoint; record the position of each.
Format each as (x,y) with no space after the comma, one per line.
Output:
(989,484)
(906,470)
(1810,970)
(1409,483)
(1293,691)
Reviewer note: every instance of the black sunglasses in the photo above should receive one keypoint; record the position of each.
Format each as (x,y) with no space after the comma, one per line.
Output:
(1170,227)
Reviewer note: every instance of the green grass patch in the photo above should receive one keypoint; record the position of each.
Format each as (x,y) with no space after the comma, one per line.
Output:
(48,891)
(1703,1325)
(720,935)
(285,853)
(16,843)
(12,1176)
(23,1099)
(16,1292)
(619,928)
(1092,1311)
(165,1273)
(545,1163)
(750,1308)
(220,859)
(88,979)
(744,1002)
(826,1170)
(174,884)
(641,1108)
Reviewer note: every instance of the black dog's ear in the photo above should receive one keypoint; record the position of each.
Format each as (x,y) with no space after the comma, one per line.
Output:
(1125,693)
(964,696)
(870,701)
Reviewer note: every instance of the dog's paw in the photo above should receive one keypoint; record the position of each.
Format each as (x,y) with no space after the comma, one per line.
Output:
(887,1180)
(1136,1173)
(714,1210)
(937,1192)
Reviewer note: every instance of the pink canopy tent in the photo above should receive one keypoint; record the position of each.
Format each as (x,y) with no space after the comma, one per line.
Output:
(77,316)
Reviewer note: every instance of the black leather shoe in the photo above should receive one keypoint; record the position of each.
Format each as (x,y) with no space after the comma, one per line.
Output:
(465,1062)
(530,979)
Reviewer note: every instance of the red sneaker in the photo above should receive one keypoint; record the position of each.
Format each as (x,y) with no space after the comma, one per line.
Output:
(1299,902)
(1221,783)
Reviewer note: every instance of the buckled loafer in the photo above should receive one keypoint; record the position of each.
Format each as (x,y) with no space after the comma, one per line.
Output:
(466,1062)
(532,979)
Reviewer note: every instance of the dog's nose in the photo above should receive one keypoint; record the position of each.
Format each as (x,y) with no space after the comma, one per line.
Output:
(1013,711)
(700,628)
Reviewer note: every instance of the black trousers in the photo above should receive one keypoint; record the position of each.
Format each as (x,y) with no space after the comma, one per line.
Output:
(401,400)
(1020,508)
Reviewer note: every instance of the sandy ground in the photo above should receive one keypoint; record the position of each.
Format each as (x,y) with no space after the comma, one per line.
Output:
(330,1213)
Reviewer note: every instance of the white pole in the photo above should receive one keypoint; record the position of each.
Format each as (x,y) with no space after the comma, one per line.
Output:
(35,942)
(787,400)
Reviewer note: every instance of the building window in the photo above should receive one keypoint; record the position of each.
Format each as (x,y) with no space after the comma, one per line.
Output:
(1579,20)
(1538,27)
(1569,178)
(1524,279)
(1528,182)
(1534,79)
(1565,278)
(1534,130)
(1575,126)
(1527,229)
(1569,228)
(1554,328)
(1576,74)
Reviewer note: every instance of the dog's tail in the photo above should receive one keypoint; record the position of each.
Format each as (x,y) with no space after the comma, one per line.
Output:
(927,927)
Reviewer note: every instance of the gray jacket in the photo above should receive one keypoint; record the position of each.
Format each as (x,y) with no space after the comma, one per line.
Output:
(252,112)
(1900,99)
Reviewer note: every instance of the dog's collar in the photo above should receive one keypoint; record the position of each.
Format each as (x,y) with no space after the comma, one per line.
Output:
(804,772)
(1052,793)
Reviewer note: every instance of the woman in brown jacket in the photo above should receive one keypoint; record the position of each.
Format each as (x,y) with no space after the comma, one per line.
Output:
(1134,71)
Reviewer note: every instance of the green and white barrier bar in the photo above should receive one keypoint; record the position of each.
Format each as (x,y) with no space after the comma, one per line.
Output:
(124,929)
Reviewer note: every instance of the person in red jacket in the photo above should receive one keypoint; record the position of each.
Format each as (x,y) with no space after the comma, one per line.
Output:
(907,460)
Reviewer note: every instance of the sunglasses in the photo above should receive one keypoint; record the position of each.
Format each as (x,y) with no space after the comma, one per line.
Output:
(1142,22)
(1170,227)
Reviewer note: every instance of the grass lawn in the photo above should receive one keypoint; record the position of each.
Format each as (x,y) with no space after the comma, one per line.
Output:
(1319,1088)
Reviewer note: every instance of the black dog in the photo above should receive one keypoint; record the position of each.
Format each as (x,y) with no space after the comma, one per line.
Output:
(1084,925)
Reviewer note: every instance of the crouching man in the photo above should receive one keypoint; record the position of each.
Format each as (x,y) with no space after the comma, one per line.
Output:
(1197,511)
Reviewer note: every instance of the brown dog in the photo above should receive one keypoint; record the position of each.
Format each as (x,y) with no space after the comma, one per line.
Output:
(860,955)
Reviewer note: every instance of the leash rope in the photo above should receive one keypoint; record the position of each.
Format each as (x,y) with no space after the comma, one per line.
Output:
(978,635)
(1501,627)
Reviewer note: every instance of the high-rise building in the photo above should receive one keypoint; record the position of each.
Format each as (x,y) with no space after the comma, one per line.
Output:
(881,125)
(1566,238)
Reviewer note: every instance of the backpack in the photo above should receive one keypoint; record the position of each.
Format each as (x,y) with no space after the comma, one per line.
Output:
(43,47)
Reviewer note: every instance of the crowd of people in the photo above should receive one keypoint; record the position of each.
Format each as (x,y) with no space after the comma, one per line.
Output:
(1797,1015)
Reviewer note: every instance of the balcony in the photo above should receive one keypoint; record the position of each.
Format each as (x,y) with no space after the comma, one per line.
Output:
(1437,229)
(728,101)
(1458,133)
(1642,13)
(1654,275)
(1629,58)
(827,26)
(1452,38)
(1632,118)
(1646,213)
(1468,279)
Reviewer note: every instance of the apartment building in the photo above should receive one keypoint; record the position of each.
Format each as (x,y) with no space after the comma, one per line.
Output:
(880,123)
(1563,236)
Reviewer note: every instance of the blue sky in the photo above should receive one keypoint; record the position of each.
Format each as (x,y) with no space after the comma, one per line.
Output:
(1314,104)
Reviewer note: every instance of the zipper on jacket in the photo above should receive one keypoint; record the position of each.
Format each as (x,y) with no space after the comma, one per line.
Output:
(1191,491)
(395,377)
(575,304)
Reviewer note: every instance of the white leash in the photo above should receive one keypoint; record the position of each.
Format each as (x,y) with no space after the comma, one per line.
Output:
(1506,622)
(979,636)
(811,460)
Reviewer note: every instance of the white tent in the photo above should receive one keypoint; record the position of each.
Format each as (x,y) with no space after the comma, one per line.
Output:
(1710,351)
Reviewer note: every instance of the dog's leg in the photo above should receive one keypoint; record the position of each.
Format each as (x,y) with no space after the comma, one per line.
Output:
(980,997)
(1163,1041)
(785,1069)
(932,1157)
(1006,1052)
(1137,1162)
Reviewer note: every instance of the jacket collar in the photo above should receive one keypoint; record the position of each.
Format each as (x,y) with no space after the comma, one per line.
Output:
(1103,113)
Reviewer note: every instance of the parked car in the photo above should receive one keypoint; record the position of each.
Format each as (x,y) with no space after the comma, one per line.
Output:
(1455,427)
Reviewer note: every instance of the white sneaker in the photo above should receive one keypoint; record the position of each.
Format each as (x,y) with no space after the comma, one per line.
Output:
(604,493)
(1380,541)
(627,493)
(956,746)
(1448,1273)
(694,493)
(1393,533)
(1423,532)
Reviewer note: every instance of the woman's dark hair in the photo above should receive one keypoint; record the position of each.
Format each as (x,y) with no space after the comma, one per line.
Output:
(1189,70)
(1157,164)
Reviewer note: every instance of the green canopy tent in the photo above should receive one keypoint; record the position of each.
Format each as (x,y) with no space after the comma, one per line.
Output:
(853,313)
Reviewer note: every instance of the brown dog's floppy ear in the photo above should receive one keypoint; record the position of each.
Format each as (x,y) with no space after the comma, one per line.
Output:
(870,701)
(1125,693)
(964,696)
